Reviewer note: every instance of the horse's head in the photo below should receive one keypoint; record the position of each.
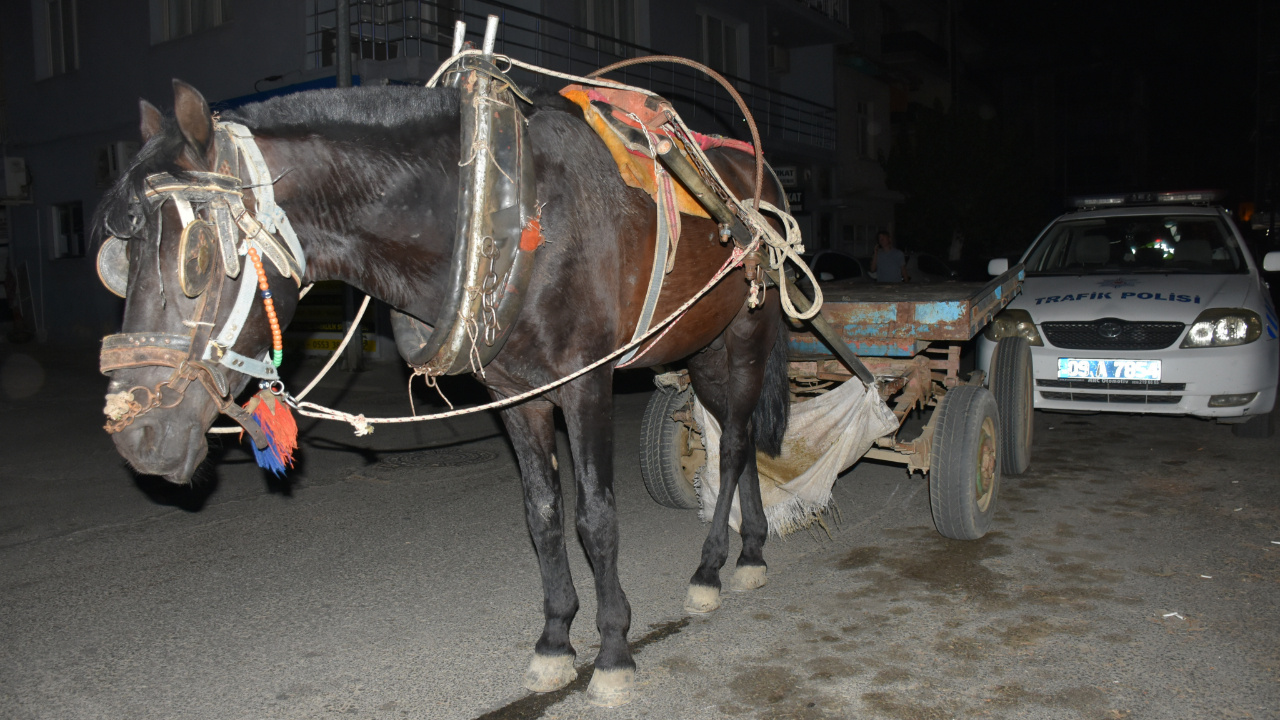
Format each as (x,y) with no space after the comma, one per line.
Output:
(187,235)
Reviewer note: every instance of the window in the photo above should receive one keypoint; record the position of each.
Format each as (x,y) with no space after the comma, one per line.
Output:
(615,19)
(933,266)
(4,261)
(723,45)
(381,29)
(1156,243)
(837,266)
(68,230)
(56,45)
(172,19)
(864,129)
(860,239)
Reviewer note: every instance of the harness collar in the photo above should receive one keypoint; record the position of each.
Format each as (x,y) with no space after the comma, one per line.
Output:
(497,237)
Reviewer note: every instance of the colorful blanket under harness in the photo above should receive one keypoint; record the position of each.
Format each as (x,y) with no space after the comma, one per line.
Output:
(635,159)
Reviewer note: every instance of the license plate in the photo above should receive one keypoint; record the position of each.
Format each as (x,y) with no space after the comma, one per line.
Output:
(1091,369)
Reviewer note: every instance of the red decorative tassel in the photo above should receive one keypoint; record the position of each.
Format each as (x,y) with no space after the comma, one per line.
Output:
(276,420)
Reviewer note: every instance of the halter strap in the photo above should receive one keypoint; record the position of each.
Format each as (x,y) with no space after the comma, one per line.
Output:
(269,214)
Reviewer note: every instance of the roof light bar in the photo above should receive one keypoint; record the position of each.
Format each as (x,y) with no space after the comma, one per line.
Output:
(1147,198)
(1096,201)
(1191,196)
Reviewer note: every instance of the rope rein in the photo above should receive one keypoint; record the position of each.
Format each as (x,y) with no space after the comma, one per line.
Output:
(364,425)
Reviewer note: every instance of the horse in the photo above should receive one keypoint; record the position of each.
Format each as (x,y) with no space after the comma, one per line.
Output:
(368,178)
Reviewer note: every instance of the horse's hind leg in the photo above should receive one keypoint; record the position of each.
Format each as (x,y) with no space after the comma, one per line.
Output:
(588,411)
(728,378)
(531,427)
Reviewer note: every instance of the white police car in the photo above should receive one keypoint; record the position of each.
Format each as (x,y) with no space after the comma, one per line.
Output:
(1146,303)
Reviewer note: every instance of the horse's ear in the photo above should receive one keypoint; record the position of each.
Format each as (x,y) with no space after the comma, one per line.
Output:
(152,121)
(195,120)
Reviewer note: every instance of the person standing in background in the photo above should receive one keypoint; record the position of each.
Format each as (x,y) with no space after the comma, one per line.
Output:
(888,264)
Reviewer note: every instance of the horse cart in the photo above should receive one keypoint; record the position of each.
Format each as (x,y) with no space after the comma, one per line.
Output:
(215,230)
(903,342)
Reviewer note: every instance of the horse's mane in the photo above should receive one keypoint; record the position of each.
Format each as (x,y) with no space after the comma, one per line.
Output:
(388,107)
(123,211)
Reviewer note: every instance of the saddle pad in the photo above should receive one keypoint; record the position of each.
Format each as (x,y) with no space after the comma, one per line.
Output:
(634,164)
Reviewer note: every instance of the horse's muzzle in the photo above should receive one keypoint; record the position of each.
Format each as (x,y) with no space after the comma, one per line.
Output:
(171,450)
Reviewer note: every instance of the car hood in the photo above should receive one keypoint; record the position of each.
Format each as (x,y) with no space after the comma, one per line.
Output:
(1147,297)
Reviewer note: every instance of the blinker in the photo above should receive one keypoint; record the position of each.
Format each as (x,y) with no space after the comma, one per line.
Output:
(196,249)
(113,265)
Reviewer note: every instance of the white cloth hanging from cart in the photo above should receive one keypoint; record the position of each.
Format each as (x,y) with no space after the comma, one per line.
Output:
(825,436)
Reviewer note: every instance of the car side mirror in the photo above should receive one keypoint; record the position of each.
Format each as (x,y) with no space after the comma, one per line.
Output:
(1000,266)
(1271,261)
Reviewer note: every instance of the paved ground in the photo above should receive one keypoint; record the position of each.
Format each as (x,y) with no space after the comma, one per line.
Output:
(1133,573)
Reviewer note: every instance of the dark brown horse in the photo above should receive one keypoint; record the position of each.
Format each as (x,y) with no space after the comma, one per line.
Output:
(369,179)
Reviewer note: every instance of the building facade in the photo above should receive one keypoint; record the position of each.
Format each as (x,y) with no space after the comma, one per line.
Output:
(73,72)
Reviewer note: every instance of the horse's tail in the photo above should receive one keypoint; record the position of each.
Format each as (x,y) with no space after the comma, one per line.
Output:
(773,409)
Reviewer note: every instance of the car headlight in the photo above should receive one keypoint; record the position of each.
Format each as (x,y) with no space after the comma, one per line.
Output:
(1012,323)
(1223,327)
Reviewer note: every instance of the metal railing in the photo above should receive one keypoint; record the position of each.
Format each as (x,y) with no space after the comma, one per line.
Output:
(837,10)
(393,29)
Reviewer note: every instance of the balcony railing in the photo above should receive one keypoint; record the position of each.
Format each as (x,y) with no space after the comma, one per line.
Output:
(837,10)
(393,29)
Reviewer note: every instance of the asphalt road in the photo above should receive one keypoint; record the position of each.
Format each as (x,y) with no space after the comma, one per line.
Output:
(1134,572)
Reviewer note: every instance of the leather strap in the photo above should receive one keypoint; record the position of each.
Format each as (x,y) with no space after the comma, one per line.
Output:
(667,234)
(269,214)
(132,350)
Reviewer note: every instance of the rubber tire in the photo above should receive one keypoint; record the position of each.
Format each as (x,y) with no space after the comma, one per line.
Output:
(1257,428)
(1012,385)
(662,442)
(962,497)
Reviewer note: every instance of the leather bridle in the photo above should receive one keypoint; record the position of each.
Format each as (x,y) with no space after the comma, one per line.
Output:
(211,207)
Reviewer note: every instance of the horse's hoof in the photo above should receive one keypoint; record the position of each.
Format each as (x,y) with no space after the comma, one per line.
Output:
(701,599)
(549,672)
(611,688)
(748,577)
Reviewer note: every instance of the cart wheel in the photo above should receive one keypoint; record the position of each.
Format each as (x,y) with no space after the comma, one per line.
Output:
(670,454)
(1011,379)
(964,467)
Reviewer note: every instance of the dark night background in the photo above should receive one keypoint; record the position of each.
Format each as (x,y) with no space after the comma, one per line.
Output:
(1055,98)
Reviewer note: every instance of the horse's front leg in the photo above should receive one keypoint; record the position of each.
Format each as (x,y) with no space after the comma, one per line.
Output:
(588,411)
(532,429)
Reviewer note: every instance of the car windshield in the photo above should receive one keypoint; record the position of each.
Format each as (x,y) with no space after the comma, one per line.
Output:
(1137,244)
(838,267)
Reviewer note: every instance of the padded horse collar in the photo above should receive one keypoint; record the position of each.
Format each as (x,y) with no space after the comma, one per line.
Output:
(499,230)
(224,231)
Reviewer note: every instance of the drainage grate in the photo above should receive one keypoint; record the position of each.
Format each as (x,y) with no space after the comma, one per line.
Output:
(437,457)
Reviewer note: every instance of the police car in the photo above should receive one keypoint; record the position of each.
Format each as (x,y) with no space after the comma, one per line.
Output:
(1146,303)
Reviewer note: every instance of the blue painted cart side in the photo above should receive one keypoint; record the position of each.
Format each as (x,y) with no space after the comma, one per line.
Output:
(900,320)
